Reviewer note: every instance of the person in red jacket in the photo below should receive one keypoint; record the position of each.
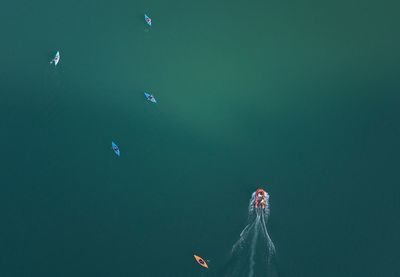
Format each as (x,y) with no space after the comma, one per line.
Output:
(260,198)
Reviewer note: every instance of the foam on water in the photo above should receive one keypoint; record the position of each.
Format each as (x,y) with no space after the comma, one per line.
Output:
(251,248)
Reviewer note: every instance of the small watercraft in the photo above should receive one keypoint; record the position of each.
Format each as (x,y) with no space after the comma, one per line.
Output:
(200,261)
(147,19)
(260,198)
(150,97)
(115,148)
(56,59)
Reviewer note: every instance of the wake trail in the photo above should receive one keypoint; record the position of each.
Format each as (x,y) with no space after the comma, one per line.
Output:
(253,248)
(252,253)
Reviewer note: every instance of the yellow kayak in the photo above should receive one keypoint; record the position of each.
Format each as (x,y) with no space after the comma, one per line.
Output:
(200,261)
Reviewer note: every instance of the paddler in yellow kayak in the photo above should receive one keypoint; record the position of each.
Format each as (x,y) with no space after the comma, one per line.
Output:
(200,261)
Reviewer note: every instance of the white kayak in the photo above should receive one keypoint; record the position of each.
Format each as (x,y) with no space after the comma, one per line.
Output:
(56,59)
(147,19)
(150,97)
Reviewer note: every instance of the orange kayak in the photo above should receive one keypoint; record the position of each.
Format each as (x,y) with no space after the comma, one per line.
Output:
(201,261)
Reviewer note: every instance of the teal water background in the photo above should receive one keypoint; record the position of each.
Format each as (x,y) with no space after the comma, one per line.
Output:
(301,98)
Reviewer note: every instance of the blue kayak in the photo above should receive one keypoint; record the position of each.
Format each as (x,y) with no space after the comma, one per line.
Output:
(115,148)
(147,19)
(150,97)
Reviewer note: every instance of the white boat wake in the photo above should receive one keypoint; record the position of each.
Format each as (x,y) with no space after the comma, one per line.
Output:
(252,255)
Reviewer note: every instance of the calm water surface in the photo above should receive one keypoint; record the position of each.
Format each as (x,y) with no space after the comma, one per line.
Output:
(301,98)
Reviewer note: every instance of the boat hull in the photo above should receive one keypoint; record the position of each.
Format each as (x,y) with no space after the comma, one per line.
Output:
(115,148)
(147,19)
(200,261)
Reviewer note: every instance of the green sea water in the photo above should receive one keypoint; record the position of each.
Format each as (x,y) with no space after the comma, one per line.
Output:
(298,97)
